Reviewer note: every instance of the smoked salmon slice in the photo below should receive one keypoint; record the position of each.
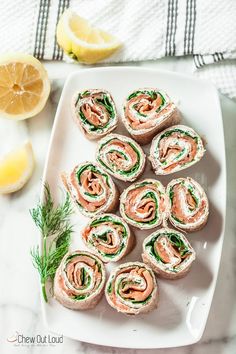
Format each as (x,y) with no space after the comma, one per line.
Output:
(121,157)
(91,189)
(95,113)
(168,253)
(132,289)
(175,149)
(109,237)
(143,204)
(189,207)
(79,280)
(148,111)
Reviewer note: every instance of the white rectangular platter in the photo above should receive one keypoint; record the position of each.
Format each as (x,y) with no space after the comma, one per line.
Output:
(184,304)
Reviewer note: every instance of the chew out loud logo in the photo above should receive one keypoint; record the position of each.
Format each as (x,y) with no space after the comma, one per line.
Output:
(38,339)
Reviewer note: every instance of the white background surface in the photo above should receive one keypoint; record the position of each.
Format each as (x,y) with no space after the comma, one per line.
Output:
(19,295)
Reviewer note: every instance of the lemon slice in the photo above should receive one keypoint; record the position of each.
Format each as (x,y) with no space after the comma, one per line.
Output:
(81,41)
(16,168)
(24,86)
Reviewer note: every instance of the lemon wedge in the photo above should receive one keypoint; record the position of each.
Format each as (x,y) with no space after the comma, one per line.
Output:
(83,42)
(16,168)
(24,86)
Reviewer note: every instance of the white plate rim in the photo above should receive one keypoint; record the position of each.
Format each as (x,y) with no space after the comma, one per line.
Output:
(53,131)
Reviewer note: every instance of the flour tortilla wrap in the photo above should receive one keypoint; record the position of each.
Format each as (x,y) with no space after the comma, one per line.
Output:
(91,189)
(121,157)
(79,280)
(144,204)
(132,289)
(94,111)
(175,149)
(148,111)
(189,207)
(109,237)
(168,253)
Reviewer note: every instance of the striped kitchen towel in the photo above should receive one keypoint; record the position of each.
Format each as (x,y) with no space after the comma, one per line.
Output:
(203,29)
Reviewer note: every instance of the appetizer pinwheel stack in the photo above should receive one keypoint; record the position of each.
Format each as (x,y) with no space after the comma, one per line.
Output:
(166,211)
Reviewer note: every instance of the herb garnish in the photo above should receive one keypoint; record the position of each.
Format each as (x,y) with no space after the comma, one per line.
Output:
(54,225)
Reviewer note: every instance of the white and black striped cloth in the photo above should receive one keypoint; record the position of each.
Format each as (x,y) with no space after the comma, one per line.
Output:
(149,29)
(46,13)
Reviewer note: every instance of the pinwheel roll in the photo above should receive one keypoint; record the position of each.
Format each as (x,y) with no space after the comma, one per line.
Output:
(168,253)
(91,188)
(144,204)
(175,149)
(147,111)
(109,237)
(79,280)
(132,289)
(188,202)
(121,156)
(95,113)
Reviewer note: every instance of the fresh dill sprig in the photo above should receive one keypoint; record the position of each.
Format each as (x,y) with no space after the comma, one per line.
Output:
(55,228)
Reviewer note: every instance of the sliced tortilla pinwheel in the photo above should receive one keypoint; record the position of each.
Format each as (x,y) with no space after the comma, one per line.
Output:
(189,207)
(121,156)
(109,237)
(132,289)
(79,280)
(95,112)
(147,111)
(168,253)
(175,149)
(143,204)
(91,189)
